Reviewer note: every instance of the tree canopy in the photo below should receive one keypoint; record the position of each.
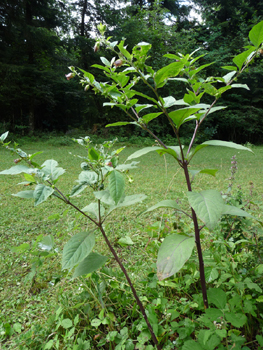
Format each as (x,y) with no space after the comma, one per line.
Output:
(39,39)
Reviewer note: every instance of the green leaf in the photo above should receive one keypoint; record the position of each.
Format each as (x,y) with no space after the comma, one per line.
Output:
(50,167)
(66,323)
(105,197)
(169,101)
(47,243)
(175,250)
(118,124)
(125,241)
(87,75)
(256,34)
(4,136)
(123,50)
(174,151)
(172,70)
(29,194)
(41,193)
(130,200)
(106,69)
(197,70)
(214,314)
(105,61)
(203,171)
(78,189)
(76,249)
(17,327)
(211,274)
(182,115)
(260,340)
(226,144)
(240,59)
(230,68)
(21,248)
(208,206)
(131,165)
(91,263)
(168,203)
(236,319)
(229,76)
(17,169)
(139,107)
(243,86)
(148,117)
(116,185)
(232,210)
(191,345)
(93,208)
(143,151)
(217,297)
(29,178)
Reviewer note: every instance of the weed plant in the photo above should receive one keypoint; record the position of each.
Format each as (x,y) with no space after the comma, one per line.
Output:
(209,300)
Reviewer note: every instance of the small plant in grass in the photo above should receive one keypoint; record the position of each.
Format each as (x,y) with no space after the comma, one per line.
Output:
(102,174)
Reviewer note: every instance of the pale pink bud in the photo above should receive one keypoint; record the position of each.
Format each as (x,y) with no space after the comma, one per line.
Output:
(96,47)
(17,160)
(69,76)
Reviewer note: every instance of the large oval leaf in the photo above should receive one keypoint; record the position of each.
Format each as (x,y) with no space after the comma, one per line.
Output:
(116,185)
(167,203)
(256,34)
(143,151)
(91,263)
(208,206)
(174,252)
(226,144)
(76,249)
(41,193)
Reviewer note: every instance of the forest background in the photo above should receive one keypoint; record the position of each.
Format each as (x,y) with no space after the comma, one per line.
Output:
(39,39)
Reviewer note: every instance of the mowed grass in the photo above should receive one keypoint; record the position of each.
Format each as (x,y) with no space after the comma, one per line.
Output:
(157,177)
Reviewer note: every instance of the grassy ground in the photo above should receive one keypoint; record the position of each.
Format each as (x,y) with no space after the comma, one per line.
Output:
(25,304)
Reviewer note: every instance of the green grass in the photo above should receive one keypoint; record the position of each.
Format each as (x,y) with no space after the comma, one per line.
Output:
(157,177)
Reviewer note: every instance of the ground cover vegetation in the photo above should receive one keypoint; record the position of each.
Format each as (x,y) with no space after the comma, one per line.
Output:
(39,39)
(229,317)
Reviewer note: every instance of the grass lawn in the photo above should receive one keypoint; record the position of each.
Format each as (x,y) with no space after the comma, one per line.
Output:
(29,302)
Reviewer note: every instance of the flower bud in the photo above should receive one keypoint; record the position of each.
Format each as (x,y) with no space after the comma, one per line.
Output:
(18,160)
(97,46)
(118,63)
(69,76)
(86,88)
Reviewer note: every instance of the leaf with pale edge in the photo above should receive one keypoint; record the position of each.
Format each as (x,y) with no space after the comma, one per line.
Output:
(256,34)
(175,250)
(29,194)
(208,206)
(42,193)
(143,151)
(168,203)
(116,185)
(226,144)
(76,249)
(4,136)
(90,264)
(17,169)
(93,208)
(127,201)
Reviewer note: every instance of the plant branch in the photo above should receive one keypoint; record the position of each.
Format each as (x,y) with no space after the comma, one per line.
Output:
(197,242)
(139,303)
